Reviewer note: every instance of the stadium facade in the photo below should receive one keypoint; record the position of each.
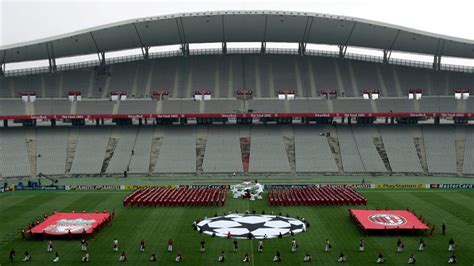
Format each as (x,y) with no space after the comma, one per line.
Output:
(285,111)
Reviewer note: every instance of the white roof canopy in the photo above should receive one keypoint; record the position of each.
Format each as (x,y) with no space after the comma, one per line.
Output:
(238,26)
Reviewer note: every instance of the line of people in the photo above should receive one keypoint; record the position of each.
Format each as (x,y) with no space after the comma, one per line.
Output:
(276,258)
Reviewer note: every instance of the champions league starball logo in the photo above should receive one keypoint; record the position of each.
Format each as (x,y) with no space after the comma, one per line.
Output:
(73,225)
(259,226)
(387,219)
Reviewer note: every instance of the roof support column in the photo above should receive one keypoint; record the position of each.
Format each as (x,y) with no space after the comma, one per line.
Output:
(185,49)
(224,47)
(145,53)
(437,62)
(52,64)
(2,64)
(386,56)
(51,58)
(304,41)
(263,48)
(302,48)
(437,56)
(342,50)
(101,56)
(143,47)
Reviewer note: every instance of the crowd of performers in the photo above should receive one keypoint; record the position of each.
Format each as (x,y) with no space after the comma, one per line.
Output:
(294,246)
(85,257)
(246,258)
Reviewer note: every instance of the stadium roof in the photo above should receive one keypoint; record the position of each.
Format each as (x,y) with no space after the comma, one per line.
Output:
(238,26)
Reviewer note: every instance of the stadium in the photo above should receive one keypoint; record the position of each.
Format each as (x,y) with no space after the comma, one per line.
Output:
(254,146)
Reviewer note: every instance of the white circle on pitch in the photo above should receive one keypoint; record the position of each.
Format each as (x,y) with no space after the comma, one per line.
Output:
(233,231)
(278,224)
(295,222)
(223,224)
(252,219)
(269,232)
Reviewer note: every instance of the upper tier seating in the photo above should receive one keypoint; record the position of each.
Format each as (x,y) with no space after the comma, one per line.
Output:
(223,74)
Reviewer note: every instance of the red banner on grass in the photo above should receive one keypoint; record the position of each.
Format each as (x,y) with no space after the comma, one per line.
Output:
(387,220)
(76,223)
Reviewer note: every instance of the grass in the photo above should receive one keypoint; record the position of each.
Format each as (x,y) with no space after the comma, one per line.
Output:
(156,225)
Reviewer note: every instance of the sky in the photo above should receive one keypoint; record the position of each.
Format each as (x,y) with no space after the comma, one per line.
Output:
(26,20)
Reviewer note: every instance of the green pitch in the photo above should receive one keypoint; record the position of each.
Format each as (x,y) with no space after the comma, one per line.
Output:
(157,225)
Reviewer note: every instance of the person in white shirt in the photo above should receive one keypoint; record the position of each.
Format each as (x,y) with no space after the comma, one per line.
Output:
(260,246)
(362,245)
(294,245)
(421,247)
(85,258)
(246,257)
(116,245)
(50,246)
(56,257)
(411,259)
(342,258)
(452,245)
(221,257)
(123,256)
(307,257)
(27,256)
(380,259)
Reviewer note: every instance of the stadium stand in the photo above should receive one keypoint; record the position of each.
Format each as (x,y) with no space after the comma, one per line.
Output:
(140,160)
(14,154)
(223,153)
(312,151)
(362,149)
(401,151)
(90,152)
(124,77)
(178,151)
(267,151)
(351,156)
(440,149)
(469,152)
(51,148)
(122,154)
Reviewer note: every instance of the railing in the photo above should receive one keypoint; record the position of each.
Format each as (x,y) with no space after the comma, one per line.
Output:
(217,51)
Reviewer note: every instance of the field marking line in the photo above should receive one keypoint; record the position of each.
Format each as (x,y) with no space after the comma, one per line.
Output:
(251,240)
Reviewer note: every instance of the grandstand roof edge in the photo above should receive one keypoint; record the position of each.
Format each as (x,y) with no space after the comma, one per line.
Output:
(237,26)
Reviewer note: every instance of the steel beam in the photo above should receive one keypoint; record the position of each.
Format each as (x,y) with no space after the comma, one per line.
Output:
(2,64)
(224,42)
(387,53)
(437,62)
(51,57)
(438,54)
(302,48)
(263,47)
(224,47)
(386,56)
(304,40)
(185,49)
(343,46)
(143,47)
(182,37)
(342,50)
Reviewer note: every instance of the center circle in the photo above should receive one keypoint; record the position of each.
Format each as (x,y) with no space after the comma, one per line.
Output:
(259,226)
